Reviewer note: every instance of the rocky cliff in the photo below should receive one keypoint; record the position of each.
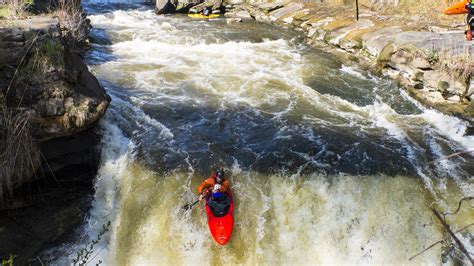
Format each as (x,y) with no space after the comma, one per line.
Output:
(50,103)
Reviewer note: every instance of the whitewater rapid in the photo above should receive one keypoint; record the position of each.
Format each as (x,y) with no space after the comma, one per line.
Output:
(329,163)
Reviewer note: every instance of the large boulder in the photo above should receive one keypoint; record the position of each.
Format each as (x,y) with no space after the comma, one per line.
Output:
(48,85)
(165,6)
(55,85)
(45,82)
(172,6)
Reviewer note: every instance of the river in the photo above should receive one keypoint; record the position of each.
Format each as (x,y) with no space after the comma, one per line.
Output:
(329,163)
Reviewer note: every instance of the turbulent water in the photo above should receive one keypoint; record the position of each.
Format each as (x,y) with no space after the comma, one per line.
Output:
(329,164)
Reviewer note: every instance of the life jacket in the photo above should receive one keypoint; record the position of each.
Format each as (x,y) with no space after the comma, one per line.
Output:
(470,7)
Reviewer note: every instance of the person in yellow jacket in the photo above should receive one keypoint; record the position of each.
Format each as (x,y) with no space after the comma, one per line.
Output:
(215,184)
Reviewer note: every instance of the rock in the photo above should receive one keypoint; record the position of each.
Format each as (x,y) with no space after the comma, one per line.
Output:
(198,6)
(318,23)
(454,99)
(469,131)
(12,35)
(376,41)
(287,10)
(456,88)
(165,6)
(443,86)
(418,85)
(385,55)
(288,20)
(12,46)
(418,76)
(62,153)
(256,13)
(470,108)
(421,63)
(437,29)
(470,89)
(233,20)
(433,41)
(349,45)
(311,32)
(238,14)
(57,204)
(269,7)
(402,57)
(235,2)
(343,32)
(50,107)
(43,91)
(64,101)
(434,97)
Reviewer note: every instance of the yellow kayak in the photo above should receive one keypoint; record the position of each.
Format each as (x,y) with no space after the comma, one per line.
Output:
(202,16)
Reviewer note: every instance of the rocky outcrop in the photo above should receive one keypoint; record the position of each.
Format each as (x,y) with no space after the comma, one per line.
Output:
(52,82)
(49,82)
(43,79)
(172,6)
(435,66)
(184,6)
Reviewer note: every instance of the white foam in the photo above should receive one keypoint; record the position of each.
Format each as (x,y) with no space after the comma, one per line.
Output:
(352,71)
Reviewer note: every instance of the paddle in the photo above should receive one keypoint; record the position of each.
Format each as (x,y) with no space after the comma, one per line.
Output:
(189,206)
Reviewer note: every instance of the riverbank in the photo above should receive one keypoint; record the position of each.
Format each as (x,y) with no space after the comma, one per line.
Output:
(50,104)
(434,63)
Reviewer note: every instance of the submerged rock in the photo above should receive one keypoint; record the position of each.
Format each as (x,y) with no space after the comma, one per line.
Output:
(233,20)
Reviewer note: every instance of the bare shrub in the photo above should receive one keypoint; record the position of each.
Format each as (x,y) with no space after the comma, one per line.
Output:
(460,65)
(452,57)
(72,21)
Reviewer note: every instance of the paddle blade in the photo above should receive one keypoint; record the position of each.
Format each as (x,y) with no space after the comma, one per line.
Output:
(190,206)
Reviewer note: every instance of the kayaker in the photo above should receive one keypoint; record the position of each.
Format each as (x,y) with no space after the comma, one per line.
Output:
(216,184)
(470,19)
(206,11)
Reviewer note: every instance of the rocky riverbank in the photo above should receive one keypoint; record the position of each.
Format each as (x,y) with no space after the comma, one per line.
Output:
(432,61)
(48,91)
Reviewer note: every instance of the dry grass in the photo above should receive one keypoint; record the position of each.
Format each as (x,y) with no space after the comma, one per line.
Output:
(71,19)
(20,155)
(455,59)
(18,8)
(460,66)
(46,56)
(77,115)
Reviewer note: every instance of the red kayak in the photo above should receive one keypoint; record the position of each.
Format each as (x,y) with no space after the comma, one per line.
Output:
(219,217)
